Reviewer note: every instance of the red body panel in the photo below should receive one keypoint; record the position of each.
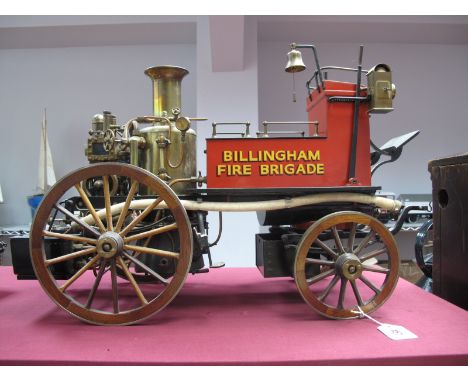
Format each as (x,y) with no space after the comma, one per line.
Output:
(336,122)
(297,162)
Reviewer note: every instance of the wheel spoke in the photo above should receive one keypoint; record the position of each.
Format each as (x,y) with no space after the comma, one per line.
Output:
(356,292)
(123,213)
(326,248)
(321,276)
(115,291)
(77,220)
(152,251)
(375,269)
(79,273)
(342,293)
(102,269)
(338,242)
(70,256)
(107,202)
(70,237)
(363,243)
(352,236)
(372,254)
(146,268)
(150,233)
(148,239)
(132,281)
(328,289)
(320,262)
(90,207)
(370,284)
(140,217)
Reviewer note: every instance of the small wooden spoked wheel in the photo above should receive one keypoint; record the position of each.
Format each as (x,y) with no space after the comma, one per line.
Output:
(423,248)
(108,241)
(332,267)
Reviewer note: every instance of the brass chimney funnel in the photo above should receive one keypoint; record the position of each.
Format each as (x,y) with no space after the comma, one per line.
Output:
(295,63)
(166,88)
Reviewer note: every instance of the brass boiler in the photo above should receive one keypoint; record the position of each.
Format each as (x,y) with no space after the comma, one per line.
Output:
(167,147)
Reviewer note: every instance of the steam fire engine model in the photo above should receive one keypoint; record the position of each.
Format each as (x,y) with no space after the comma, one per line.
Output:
(136,216)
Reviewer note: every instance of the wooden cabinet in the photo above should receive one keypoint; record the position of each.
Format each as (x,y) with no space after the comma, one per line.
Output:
(450,204)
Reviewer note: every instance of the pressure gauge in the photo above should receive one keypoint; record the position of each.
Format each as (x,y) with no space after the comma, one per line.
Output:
(183,123)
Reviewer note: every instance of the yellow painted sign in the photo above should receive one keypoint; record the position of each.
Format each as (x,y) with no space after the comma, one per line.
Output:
(270,163)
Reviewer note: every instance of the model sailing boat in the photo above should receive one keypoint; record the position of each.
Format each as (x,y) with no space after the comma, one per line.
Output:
(46,169)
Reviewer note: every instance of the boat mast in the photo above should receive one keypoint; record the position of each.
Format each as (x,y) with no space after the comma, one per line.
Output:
(44,141)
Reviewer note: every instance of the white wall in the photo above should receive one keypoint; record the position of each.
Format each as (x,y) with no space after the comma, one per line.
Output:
(74,84)
(228,96)
(431,82)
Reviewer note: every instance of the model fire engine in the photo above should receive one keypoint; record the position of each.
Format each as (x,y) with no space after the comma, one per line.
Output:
(112,243)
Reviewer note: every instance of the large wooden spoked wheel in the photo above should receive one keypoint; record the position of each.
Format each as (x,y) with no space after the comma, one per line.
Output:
(109,244)
(332,267)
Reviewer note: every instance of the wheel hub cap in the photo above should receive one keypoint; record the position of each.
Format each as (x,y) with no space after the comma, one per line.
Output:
(109,244)
(349,266)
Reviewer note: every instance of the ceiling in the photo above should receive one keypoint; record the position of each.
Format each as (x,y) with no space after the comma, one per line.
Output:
(23,32)
(29,32)
(365,29)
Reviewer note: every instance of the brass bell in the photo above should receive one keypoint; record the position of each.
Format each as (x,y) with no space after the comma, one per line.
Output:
(295,63)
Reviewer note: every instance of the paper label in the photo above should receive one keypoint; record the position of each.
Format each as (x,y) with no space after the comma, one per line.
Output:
(396,332)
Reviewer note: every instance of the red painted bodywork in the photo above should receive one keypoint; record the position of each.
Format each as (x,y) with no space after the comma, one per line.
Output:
(333,144)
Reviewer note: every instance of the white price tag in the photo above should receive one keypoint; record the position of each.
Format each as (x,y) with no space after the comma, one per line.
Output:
(396,332)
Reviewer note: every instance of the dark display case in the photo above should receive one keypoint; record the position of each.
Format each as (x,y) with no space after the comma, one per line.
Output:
(450,199)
